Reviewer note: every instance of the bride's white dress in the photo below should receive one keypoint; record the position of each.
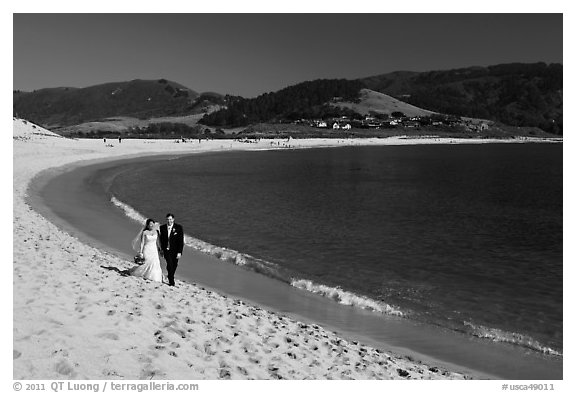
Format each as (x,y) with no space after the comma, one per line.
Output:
(150,269)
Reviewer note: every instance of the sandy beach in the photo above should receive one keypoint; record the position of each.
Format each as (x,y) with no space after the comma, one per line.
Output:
(73,318)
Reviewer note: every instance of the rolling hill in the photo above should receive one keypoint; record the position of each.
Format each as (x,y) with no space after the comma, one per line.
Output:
(65,106)
(371,101)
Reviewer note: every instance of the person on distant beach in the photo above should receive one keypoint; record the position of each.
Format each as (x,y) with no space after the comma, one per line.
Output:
(172,244)
(147,245)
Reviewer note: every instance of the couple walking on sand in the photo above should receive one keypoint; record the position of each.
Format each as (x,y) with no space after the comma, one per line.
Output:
(153,241)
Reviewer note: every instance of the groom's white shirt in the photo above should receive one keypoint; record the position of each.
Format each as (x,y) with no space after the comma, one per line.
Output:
(169,229)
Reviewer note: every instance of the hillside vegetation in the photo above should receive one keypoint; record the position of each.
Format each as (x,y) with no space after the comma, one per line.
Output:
(514,94)
(304,100)
(64,106)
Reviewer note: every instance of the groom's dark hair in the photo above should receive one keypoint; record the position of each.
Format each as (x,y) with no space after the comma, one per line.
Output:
(170,215)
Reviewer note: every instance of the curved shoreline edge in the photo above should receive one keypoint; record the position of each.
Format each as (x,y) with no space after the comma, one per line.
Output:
(75,300)
(265,268)
(341,296)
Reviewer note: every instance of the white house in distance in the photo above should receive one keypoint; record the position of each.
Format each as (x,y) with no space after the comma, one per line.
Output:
(337,126)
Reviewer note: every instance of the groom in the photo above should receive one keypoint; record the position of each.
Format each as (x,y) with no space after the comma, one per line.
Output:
(172,243)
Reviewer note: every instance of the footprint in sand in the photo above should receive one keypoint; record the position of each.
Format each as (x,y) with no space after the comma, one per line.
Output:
(208,349)
(275,375)
(62,352)
(224,374)
(291,355)
(111,373)
(223,364)
(315,363)
(55,322)
(178,331)
(221,339)
(109,336)
(170,323)
(149,373)
(79,306)
(64,368)
(160,339)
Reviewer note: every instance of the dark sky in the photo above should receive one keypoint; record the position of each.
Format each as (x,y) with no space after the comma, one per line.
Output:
(250,54)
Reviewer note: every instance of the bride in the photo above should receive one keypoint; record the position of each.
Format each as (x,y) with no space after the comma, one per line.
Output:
(147,245)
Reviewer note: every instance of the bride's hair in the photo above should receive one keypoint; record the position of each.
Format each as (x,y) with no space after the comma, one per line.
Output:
(148,221)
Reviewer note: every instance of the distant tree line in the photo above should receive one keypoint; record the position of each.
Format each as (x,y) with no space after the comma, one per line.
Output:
(156,131)
(304,100)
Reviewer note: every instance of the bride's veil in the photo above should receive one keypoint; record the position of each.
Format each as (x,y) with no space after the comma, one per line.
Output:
(137,242)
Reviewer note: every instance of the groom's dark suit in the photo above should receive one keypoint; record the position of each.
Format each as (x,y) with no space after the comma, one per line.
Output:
(171,246)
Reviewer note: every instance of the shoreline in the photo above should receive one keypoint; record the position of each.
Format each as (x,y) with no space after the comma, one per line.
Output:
(75,250)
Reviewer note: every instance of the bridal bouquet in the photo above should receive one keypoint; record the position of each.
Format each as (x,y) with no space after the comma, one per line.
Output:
(139,258)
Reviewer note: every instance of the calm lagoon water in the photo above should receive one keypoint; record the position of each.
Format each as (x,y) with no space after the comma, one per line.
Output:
(467,237)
